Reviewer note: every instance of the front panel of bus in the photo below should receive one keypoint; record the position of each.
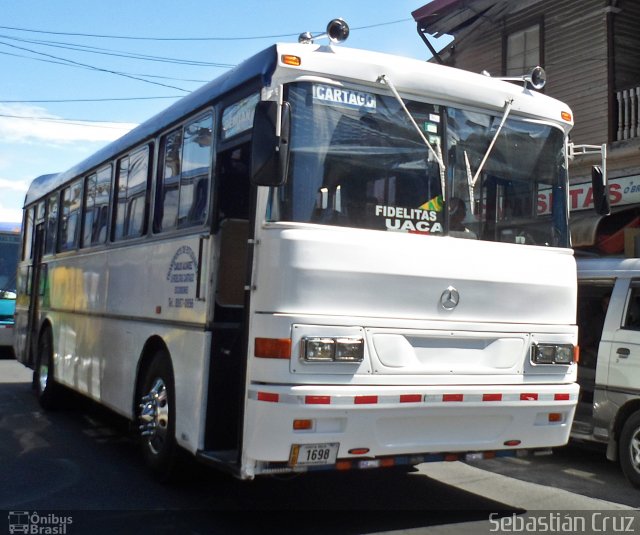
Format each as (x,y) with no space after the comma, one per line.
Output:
(399,304)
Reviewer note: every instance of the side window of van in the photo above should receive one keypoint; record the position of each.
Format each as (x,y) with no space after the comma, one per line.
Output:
(632,315)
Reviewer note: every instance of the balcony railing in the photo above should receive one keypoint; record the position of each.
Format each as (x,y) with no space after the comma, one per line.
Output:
(628,120)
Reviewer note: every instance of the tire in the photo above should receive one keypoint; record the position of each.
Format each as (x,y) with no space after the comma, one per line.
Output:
(47,391)
(156,415)
(629,449)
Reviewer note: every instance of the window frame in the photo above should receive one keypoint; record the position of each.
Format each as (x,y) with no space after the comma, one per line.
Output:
(158,223)
(93,242)
(115,194)
(633,297)
(63,219)
(521,28)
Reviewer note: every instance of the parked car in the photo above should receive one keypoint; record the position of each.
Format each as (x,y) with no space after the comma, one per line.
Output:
(609,371)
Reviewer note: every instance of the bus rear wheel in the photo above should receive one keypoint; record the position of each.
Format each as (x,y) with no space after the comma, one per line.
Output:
(629,449)
(156,416)
(47,391)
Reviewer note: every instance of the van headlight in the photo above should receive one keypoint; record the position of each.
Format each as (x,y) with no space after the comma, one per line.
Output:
(552,353)
(329,349)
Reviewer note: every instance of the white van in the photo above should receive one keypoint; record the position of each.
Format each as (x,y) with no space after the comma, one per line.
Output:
(609,370)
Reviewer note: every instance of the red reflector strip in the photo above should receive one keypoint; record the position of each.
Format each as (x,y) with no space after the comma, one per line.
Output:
(410,398)
(449,457)
(268,396)
(363,400)
(317,400)
(427,399)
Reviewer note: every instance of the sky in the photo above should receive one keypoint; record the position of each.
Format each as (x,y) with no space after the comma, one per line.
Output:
(78,74)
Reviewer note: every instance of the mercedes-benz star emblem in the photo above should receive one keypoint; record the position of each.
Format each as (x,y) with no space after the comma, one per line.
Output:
(450,298)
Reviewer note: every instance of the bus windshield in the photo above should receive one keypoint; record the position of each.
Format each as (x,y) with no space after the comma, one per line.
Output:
(9,249)
(358,161)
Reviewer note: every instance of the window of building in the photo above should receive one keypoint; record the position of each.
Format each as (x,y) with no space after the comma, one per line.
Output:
(183,187)
(523,50)
(131,187)
(70,219)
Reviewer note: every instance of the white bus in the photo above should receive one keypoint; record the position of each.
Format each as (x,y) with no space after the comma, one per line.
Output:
(326,258)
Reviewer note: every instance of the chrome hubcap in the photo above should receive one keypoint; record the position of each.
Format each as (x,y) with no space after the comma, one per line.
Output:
(154,416)
(43,376)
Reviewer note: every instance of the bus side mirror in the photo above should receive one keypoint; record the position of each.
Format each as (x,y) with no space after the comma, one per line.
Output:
(270,152)
(600,189)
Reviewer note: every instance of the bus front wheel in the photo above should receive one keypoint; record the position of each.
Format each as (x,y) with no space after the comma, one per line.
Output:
(156,416)
(47,391)
(629,449)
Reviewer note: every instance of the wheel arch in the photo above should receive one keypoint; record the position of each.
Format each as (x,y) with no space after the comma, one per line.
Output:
(624,413)
(151,348)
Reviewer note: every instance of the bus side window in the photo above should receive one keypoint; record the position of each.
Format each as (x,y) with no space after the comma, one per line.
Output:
(96,207)
(103,196)
(70,220)
(182,194)
(52,224)
(89,209)
(196,169)
(27,246)
(131,187)
(168,188)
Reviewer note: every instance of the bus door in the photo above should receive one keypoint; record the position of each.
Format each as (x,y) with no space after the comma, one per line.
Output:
(35,291)
(229,330)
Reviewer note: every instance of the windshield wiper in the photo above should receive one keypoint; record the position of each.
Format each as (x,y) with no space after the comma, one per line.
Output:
(437,154)
(471,180)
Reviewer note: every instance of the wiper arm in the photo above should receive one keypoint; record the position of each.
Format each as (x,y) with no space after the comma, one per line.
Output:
(471,180)
(507,110)
(437,154)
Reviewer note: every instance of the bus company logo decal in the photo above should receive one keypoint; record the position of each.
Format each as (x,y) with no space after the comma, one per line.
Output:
(450,298)
(182,278)
(38,524)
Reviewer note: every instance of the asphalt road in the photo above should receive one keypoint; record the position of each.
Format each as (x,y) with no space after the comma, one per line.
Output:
(81,462)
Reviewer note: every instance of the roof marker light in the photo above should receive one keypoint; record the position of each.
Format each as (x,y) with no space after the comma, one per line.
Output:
(289,59)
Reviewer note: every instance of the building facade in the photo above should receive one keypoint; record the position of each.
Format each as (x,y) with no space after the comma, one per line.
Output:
(590,51)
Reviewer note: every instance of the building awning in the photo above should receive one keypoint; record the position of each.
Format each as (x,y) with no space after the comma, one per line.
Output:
(451,16)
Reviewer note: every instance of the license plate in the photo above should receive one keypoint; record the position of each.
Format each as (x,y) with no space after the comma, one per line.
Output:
(313,454)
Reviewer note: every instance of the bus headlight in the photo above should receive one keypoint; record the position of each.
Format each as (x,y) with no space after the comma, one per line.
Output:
(318,349)
(349,349)
(552,353)
(326,349)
